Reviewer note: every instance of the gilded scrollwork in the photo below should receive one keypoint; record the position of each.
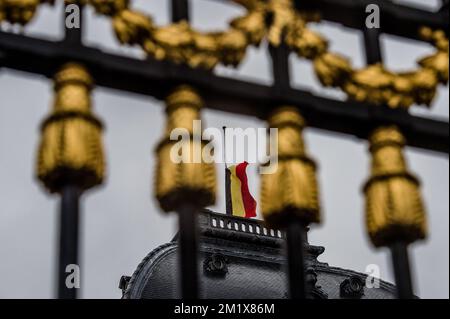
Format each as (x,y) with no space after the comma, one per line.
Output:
(179,42)
(109,7)
(377,85)
(20,11)
(132,27)
(373,84)
(279,22)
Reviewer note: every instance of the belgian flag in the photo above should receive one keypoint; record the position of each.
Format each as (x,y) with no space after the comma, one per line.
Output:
(239,200)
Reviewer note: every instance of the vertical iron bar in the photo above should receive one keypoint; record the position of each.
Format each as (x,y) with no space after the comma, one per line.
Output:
(228,203)
(444,7)
(187,214)
(296,262)
(73,36)
(68,238)
(2,57)
(280,67)
(399,250)
(372,46)
(295,230)
(70,194)
(188,251)
(402,271)
(180,10)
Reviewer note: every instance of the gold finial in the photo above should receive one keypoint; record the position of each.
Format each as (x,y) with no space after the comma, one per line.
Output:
(292,191)
(394,208)
(71,149)
(189,181)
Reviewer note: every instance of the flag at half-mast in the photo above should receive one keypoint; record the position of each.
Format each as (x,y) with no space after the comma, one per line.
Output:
(240,202)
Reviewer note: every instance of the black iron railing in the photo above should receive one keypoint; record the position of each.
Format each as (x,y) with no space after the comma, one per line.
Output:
(155,78)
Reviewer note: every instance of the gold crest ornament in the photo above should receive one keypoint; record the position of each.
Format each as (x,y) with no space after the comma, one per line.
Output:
(70,150)
(291,192)
(394,208)
(180,178)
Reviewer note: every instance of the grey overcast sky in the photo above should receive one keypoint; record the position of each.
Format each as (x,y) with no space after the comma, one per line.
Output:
(121,222)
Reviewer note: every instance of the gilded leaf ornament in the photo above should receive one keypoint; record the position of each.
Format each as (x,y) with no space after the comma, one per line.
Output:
(278,22)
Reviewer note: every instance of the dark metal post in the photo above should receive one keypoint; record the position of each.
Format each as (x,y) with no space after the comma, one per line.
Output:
(295,230)
(399,250)
(188,251)
(372,46)
(68,238)
(296,262)
(70,194)
(73,36)
(180,10)
(402,271)
(444,7)
(2,56)
(187,214)
(228,203)
(280,67)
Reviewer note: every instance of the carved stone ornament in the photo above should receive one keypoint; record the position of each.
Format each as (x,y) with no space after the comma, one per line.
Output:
(314,291)
(216,265)
(352,287)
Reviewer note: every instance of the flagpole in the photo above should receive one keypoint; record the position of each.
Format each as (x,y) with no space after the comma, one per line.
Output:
(227,176)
